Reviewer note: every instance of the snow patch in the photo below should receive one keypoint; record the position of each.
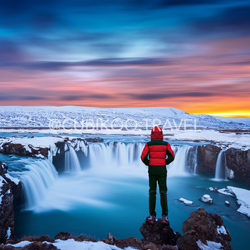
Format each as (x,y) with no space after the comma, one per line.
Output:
(211,245)
(15,180)
(186,202)
(243,199)
(206,198)
(225,191)
(230,174)
(2,181)
(84,245)
(8,233)
(20,244)
(221,230)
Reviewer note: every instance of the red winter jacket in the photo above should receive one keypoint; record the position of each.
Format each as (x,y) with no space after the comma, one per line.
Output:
(157,149)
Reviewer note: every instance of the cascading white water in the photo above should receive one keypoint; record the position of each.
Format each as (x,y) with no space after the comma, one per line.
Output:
(114,157)
(179,166)
(36,181)
(72,163)
(107,158)
(220,171)
(111,159)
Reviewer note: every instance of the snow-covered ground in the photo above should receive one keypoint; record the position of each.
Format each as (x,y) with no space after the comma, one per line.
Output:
(221,139)
(76,245)
(176,124)
(243,199)
(45,116)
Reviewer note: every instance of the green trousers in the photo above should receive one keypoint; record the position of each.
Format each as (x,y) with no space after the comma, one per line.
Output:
(162,182)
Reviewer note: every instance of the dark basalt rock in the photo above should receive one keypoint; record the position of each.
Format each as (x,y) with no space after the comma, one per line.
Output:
(158,233)
(19,149)
(95,139)
(122,243)
(239,161)
(206,159)
(203,226)
(63,236)
(7,191)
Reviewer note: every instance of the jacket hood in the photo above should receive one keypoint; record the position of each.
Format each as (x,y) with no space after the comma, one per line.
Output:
(156,133)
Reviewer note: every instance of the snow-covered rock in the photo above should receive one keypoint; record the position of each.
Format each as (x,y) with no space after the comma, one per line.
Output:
(186,202)
(225,191)
(206,198)
(230,174)
(213,189)
(76,245)
(243,199)
(44,147)
(227,203)
(221,230)
(203,230)
(211,245)
(8,187)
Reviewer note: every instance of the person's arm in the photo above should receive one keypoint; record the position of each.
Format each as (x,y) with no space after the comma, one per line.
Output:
(170,155)
(144,155)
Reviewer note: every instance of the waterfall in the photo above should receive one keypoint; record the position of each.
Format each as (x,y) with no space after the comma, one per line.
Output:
(179,167)
(40,176)
(111,159)
(72,163)
(192,159)
(115,156)
(220,171)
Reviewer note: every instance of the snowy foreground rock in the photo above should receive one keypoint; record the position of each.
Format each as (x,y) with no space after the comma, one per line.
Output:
(201,230)
(9,187)
(206,198)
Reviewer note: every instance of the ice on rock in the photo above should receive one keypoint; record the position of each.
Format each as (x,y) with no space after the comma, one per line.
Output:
(84,245)
(225,191)
(230,174)
(186,202)
(227,203)
(221,230)
(206,198)
(8,233)
(213,189)
(20,244)
(15,180)
(211,245)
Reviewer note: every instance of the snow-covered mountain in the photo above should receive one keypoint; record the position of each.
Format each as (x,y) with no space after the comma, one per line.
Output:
(69,116)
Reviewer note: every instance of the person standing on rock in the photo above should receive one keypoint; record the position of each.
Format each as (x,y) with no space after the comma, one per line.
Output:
(157,150)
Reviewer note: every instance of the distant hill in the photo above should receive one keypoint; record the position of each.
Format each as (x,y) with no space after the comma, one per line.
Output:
(42,116)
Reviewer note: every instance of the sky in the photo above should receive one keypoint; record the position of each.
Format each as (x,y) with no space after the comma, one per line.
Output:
(187,54)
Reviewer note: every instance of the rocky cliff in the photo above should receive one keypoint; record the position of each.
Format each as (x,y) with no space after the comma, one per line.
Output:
(9,188)
(206,159)
(238,161)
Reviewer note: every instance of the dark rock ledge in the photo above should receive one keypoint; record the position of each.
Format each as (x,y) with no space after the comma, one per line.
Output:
(201,228)
(10,188)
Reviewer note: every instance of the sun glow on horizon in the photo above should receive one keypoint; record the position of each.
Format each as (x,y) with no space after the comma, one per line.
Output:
(232,114)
